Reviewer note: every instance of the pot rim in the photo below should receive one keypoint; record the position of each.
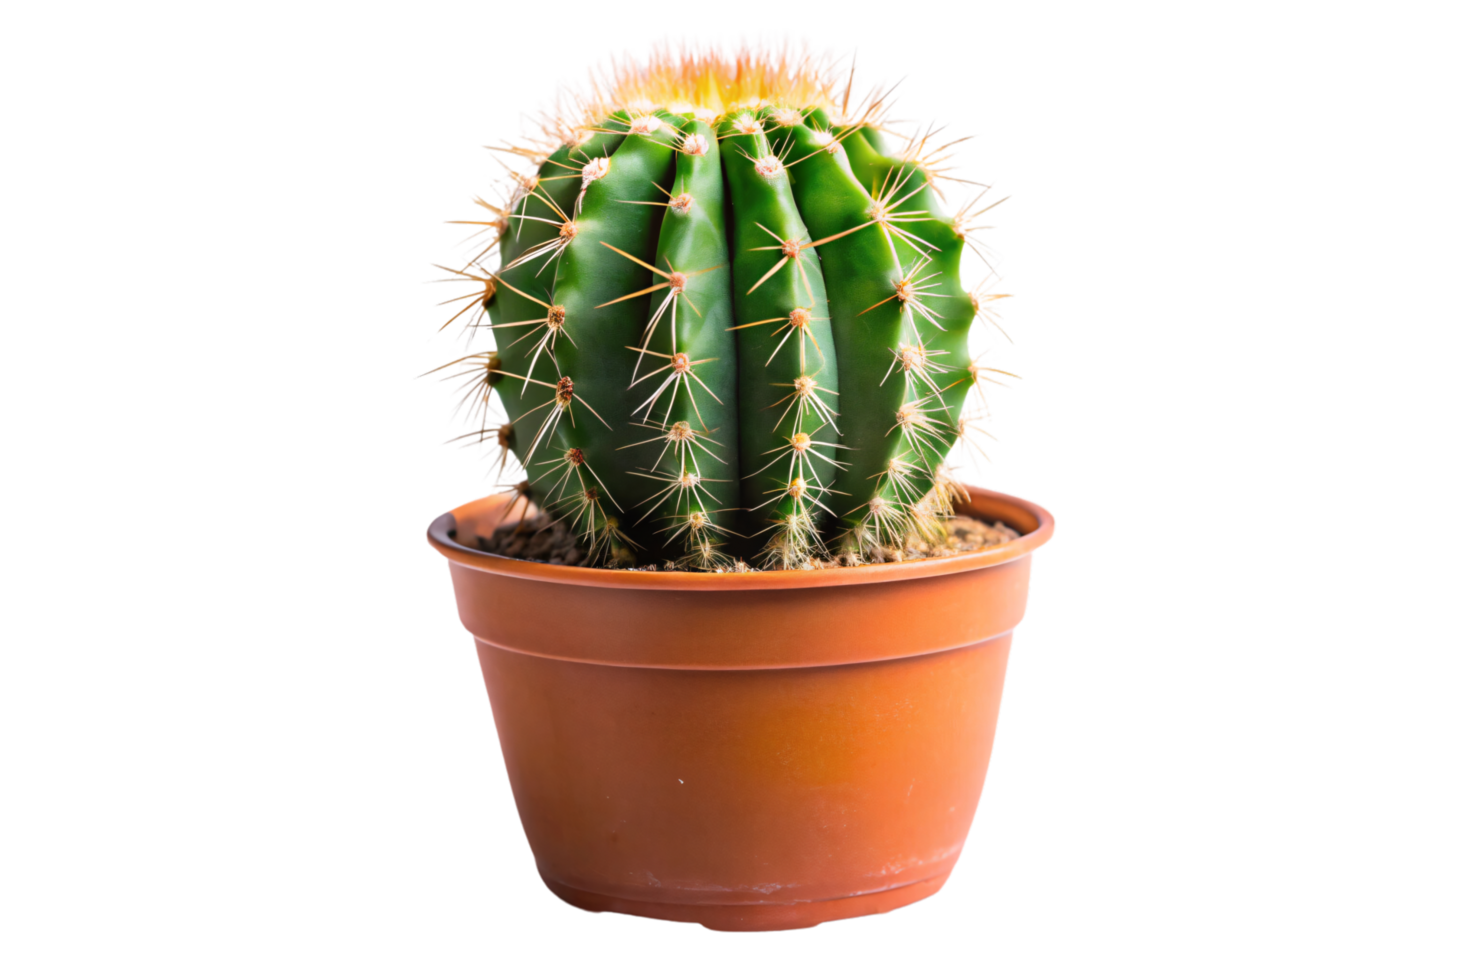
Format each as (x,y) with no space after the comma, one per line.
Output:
(1015,512)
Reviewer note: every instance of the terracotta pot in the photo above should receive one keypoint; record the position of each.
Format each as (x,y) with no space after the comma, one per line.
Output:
(762,751)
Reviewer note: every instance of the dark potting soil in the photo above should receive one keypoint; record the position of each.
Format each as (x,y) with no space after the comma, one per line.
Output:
(539,538)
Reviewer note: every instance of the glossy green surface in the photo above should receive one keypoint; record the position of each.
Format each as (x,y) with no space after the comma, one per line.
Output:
(747,328)
(604,328)
(775,353)
(692,494)
(944,311)
(535,221)
(863,272)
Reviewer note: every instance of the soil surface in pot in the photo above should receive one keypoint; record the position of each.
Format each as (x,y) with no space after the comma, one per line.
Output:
(540,538)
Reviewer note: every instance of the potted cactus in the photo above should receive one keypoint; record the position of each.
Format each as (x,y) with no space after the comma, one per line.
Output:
(731,346)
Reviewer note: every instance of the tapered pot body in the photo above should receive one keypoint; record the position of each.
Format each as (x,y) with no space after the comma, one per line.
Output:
(760,751)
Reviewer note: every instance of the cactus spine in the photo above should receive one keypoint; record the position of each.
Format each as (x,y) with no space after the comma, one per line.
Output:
(728,325)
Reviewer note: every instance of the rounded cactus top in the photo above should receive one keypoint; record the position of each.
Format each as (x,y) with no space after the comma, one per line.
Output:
(707,86)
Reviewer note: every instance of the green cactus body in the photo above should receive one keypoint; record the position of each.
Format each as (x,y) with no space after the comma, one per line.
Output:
(526,333)
(604,294)
(788,363)
(937,321)
(868,327)
(687,370)
(732,335)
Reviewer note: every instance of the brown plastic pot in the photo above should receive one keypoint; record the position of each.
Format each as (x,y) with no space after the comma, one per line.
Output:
(761,751)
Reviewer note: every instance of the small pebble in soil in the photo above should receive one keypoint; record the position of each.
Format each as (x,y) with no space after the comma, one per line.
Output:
(539,538)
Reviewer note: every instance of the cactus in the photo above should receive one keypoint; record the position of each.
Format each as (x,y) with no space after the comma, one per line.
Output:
(729,324)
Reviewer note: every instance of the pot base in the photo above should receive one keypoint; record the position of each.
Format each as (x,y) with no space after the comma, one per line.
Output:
(754,918)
